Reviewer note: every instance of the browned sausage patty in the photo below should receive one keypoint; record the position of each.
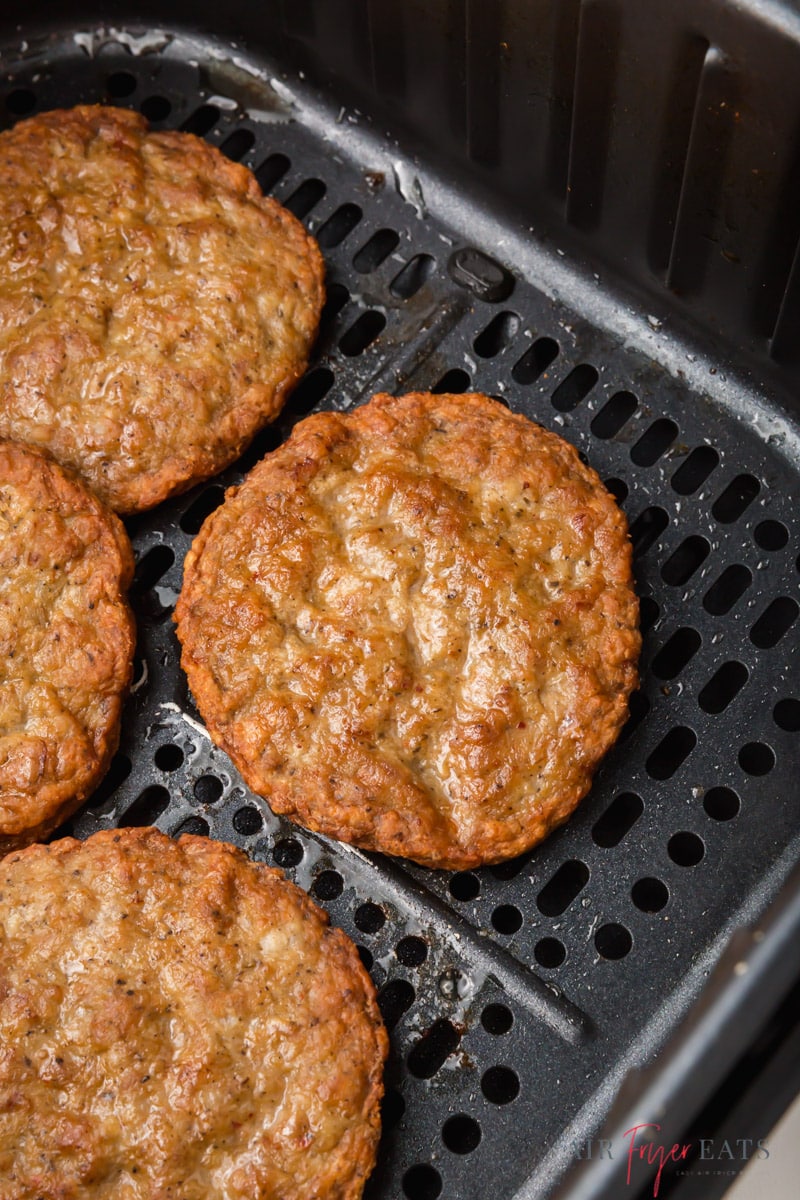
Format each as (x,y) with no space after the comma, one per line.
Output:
(413,627)
(66,642)
(178,1021)
(155,308)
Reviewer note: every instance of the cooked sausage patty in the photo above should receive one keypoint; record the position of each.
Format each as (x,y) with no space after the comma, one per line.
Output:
(178,1021)
(66,642)
(155,308)
(413,627)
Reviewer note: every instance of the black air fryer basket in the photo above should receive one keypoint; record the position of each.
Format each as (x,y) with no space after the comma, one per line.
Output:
(591,210)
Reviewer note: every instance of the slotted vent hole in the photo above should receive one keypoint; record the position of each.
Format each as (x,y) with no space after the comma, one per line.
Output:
(511,868)
(499,333)
(721,803)
(120,84)
(639,707)
(461,1133)
(454,381)
(574,388)
(647,529)
(497,1019)
(654,442)
(433,1049)
(677,653)
(147,807)
(413,276)
(695,470)
(737,497)
(200,508)
(247,820)
(549,952)
(683,562)
(500,1085)
(208,789)
(422,1182)
(615,413)
(649,613)
(729,587)
(671,752)
(393,1106)
(535,361)
(775,621)
(394,999)
(411,951)
(375,251)
(305,197)
(156,108)
(724,685)
(618,820)
(338,225)
(771,535)
(686,849)
(237,144)
(757,758)
(202,120)
(335,300)
(271,171)
(568,882)
(362,333)
(309,391)
(116,775)
(152,567)
(649,895)
(193,825)
(613,941)
(786,715)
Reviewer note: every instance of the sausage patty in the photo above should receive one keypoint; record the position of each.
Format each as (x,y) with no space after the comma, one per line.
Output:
(178,1021)
(413,627)
(66,642)
(155,308)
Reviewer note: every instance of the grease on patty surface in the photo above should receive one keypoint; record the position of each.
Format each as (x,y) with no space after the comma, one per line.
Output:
(155,308)
(413,627)
(178,1021)
(66,642)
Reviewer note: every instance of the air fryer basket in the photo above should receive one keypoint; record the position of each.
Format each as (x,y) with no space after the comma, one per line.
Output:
(589,210)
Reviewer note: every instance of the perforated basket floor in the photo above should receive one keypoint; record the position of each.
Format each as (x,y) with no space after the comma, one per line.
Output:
(516,996)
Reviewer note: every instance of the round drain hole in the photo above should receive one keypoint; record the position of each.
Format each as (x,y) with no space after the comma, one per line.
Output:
(549,952)
(500,1085)
(497,1019)
(461,1133)
(613,941)
(686,849)
(328,885)
(721,803)
(422,1183)
(757,758)
(649,894)
(287,852)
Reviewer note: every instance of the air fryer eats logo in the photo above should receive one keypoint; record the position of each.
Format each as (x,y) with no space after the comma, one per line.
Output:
(643,1150)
